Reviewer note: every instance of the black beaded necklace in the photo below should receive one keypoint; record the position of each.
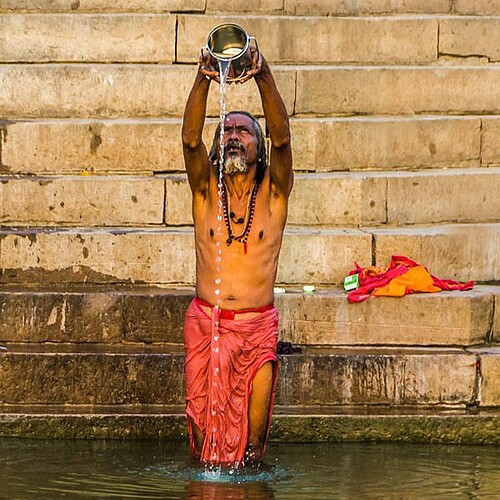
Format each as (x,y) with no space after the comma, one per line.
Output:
(243,237)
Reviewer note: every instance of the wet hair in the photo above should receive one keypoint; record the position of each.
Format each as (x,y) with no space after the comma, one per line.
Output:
(261,146)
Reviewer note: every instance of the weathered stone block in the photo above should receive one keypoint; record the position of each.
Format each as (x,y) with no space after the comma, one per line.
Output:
(76,146)
(328,199)
(287,39)
(460,252)
(250,6)
(338,200)
(477,7)
(90,376)
(53,316)
(321,256)
(433,197)
(490,374)
(398,90)
(377,377)
(325,7)
(105,146)
(321,144)
(469,36)
(324,144)
(328,319)
(490,151)
(98,256)
(105,315)
(105,91)
(178,201)
(495,330)
(155,315)
(154,375)
(162,256)
(101,5)
(86,201)
(89,38)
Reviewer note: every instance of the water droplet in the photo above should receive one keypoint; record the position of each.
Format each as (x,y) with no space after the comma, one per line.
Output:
(216,338)
(217,292)
(216,349)
(217,281)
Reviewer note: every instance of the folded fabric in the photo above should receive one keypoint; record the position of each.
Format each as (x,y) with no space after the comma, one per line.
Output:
(401,277)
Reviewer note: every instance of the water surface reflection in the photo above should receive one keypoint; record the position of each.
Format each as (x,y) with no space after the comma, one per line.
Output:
(42,469)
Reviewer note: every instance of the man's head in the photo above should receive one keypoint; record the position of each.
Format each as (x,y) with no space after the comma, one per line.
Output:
(244,145)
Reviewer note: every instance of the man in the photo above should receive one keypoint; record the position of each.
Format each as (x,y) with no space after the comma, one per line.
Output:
(231,327)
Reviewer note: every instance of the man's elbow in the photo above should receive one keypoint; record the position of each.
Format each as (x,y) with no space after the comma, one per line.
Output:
(190,141)
(281,141)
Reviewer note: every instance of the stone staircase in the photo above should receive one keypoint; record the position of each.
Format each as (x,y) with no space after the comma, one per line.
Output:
(396,123)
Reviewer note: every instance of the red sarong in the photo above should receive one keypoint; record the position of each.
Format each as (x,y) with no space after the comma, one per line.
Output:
(402,277)
(222,358)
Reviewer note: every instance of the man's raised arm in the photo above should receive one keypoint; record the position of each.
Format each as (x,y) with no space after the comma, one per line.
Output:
(195,151)
(280,162)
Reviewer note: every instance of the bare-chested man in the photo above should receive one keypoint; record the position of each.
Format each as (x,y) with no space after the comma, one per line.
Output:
(231,328)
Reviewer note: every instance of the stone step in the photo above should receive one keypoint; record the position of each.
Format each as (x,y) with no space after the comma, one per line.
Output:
(162,255)
(291,7)
(361,7)
(121,315)
(309,255)
(326,90)
(379,40)
(102,6)
(361,199)
(367,199)
(146,90)
(133,146)
(165,38)
(399,40)
(88,37)
(82,200)
(289,424)
(460,251)
(92,374)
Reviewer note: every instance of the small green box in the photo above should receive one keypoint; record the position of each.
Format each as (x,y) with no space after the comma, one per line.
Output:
(351,282)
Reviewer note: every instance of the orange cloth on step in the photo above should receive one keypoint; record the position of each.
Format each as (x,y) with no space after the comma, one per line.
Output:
(416,279)
(402,277)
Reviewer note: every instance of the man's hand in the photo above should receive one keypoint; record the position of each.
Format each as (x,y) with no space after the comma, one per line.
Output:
(254,64)
(207,66)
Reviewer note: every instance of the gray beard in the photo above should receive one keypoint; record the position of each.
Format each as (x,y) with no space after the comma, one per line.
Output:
(235,164)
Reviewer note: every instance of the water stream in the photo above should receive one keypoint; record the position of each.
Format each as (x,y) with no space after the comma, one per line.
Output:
(215,365)
(40,469)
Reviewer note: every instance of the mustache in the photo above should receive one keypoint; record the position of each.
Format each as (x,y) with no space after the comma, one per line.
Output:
(232,144)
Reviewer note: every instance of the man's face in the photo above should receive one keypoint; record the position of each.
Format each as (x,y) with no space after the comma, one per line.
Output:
(240,144)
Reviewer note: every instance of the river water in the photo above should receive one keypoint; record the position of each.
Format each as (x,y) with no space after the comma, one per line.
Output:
(43,469)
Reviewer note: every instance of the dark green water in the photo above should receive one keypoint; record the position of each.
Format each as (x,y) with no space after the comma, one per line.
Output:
(38,469)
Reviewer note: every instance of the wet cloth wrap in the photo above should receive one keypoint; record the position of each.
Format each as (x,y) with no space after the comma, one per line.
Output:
(403,276)
(223,354)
